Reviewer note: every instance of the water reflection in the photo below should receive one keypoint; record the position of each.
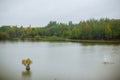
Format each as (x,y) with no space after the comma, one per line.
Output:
(26,74)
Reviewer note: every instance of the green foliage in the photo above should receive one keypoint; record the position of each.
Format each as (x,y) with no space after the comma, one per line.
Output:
(3,36)
(103,29)
(108,31)
(37,37)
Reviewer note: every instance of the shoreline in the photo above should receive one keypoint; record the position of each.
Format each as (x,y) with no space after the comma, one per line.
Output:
(50,39)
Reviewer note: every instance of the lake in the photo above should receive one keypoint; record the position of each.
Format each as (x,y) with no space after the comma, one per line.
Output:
(59,61)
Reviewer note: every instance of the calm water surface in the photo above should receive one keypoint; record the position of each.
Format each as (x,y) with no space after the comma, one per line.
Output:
(59,61)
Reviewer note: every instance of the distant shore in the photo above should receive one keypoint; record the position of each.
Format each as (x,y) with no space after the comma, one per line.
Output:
(59,39)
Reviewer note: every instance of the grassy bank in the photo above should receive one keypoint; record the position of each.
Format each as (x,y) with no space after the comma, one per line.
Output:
(60,39)
(96,41)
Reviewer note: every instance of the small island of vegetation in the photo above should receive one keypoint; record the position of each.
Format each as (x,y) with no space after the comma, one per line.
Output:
(26,63)
(92,30)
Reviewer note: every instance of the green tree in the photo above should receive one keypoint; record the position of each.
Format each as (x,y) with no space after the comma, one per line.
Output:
(29,32)
(3,36)
(108,32)
(76,33)
(91,29)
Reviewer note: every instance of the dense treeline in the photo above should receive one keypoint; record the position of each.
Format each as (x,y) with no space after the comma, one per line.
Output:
(103,29)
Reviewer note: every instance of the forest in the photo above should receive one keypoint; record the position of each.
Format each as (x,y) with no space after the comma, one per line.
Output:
(102,29)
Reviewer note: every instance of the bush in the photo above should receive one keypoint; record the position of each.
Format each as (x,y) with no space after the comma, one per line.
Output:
(37,37)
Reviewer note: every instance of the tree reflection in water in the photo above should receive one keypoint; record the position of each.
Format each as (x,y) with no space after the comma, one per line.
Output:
(26,74)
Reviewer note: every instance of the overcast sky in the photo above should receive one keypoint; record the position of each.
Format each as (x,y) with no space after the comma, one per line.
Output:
(40,12)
